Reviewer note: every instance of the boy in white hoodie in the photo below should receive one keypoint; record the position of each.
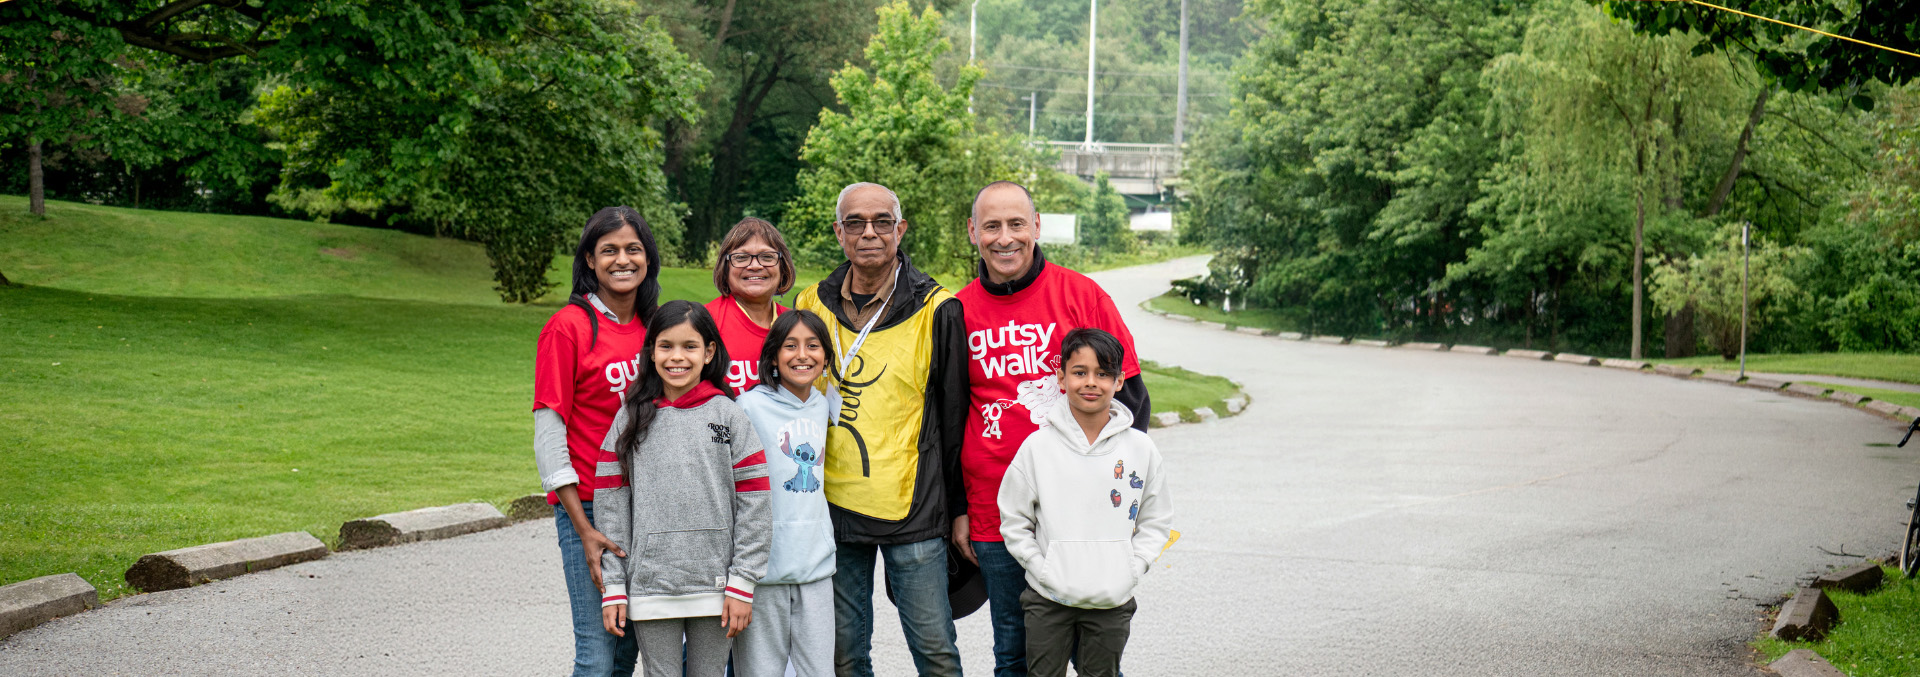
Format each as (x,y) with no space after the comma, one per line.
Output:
(1084,508)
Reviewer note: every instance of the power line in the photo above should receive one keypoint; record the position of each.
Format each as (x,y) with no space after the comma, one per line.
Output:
(997,85)
(1080,71)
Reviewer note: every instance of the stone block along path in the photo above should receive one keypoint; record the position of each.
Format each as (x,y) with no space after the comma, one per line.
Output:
(1382,512)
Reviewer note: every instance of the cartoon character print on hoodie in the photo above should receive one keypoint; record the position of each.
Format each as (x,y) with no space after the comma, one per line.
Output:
(803,546)
(1065,512)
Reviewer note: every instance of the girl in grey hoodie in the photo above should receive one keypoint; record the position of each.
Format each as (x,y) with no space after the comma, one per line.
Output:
(794,603)
(683,492)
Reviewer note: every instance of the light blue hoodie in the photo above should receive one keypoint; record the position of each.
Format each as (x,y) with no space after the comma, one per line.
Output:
(795,436)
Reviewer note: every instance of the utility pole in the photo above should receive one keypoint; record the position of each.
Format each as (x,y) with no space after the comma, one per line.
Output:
(1093,35)
(1033,102)
(1180,105)
(973,41)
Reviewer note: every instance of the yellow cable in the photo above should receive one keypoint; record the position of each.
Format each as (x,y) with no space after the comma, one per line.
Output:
(1804,28)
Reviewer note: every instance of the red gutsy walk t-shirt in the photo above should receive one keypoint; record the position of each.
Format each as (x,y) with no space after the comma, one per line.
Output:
(584,381)
(743,339)
(1013,365)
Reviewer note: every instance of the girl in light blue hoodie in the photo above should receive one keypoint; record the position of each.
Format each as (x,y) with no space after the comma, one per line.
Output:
(793,604)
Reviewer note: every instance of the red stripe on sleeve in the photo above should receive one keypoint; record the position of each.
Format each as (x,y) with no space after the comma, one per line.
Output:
(758,458)
(755,484)
(739,592)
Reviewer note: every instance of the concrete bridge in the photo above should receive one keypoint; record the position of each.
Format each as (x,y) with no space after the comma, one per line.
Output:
(1133,168)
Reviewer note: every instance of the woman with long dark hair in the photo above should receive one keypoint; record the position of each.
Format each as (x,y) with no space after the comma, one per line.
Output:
(753,268)
(589,354)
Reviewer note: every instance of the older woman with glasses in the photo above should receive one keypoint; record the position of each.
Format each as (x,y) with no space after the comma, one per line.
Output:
(753,268)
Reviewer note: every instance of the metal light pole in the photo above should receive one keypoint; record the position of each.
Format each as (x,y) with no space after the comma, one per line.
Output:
(1093,35)
(1746,267)
(1033,102)
(973,40)
(1180,106)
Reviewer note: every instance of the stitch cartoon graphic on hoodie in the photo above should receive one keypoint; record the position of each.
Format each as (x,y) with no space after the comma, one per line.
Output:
(1082,554)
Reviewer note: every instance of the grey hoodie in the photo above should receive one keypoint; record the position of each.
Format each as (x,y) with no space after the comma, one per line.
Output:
(695,525)
(1086,520)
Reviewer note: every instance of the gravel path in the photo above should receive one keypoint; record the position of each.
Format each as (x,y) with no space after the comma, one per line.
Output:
(1375,512)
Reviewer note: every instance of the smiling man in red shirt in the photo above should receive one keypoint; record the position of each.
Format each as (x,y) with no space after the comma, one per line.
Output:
(1017,312)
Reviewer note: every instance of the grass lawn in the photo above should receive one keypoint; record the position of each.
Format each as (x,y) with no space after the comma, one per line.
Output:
(1900,368)
(1177,389)
(1879,632)
(172,379)
(1272,320)
(1899,397)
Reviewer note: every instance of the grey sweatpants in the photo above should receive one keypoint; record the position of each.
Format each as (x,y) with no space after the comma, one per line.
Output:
(660,641)
(789,622)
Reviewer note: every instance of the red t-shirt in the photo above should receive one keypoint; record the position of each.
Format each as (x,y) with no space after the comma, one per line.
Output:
(1013,346)
(583,381)
(743,339)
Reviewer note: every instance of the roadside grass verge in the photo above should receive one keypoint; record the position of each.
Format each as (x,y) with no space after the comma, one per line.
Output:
(1878,634)
(1178,389)
(1901,368)
(1270,320)
(1900,397)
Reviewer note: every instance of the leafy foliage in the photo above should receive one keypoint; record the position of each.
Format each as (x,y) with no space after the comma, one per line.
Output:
(906,131)
(1710,282)
(1103,224)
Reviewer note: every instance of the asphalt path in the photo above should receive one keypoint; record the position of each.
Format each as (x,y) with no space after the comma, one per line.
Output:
(1374,512)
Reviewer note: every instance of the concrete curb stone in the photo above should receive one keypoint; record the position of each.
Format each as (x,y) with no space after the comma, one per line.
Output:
(1720,376)
(1255,331)
(1809,615)
(1617,363)
(1582,360)
(188,567)
(1764,383)
(1860,577)
(1180,318)
(1847,397)
(424,524)
(38,600)
(1290,335)
(1675,370)
(1330,340)
(1371,343)
(1235,404)
(1475,350)
(1808,390)
(1206,414)
(1166,418)
(1211,323)
(1529,354)
(529,507)
(1804,663)
(1883,407)
(1422,346)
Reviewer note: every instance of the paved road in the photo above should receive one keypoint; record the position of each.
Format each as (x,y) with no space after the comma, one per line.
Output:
(1375,512)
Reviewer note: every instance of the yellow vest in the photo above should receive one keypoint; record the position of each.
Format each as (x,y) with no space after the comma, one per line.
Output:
(873,451)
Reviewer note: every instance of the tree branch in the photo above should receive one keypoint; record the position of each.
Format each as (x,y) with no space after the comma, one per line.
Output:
(1725,187)
(1823,139)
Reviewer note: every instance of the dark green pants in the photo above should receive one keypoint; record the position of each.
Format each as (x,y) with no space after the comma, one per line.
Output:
(1055,629)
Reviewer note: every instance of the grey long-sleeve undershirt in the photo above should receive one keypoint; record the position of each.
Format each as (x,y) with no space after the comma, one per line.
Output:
(550,454)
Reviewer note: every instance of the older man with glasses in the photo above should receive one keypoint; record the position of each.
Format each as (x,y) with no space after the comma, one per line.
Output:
(893,456)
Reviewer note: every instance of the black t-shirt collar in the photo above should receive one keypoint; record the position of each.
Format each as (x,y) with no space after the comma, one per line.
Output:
(1016,285)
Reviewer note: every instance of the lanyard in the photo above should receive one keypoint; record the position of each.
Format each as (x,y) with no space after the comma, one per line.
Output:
(845,360)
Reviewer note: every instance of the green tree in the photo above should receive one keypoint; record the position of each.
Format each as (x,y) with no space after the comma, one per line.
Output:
(57,75)
(509,127)
(904,130)
(1710,283)
(1103,223)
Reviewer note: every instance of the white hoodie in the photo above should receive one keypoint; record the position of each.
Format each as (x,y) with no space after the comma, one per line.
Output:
(1086,521)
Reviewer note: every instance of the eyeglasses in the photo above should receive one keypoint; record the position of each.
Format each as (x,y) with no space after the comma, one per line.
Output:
(857,226)
(743,259)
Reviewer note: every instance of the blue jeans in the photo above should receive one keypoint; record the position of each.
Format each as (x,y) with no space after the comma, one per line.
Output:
(918,572)
(1005,579)
(596,652)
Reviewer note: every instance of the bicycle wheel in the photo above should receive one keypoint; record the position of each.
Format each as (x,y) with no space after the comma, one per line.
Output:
(1910,549)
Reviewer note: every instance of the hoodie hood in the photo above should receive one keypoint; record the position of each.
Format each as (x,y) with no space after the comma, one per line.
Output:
(790,404)
(1060,419)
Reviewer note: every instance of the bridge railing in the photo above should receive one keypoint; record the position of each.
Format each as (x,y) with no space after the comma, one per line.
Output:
(1150,161)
